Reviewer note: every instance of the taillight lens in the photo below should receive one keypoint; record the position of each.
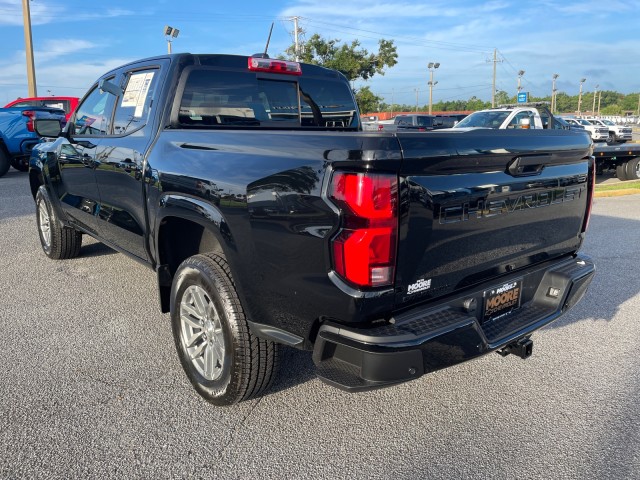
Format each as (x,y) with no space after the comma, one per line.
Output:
(31,114)
(592,187)
(364,251)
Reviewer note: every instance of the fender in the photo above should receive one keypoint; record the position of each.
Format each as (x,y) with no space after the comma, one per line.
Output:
(216,236)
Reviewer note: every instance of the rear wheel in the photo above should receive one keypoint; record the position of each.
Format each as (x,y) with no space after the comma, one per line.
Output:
(621,171)
(224,361)
(4,162)
(633,169)
(58,242)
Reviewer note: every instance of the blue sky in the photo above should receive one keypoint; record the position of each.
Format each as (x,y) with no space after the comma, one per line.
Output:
(76,41)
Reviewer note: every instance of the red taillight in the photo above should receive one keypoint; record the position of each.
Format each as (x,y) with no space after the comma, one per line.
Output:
(31,114)
(592,186)
(364,251)
(257,64)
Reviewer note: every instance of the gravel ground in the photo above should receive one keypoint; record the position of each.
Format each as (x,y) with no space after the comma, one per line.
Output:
(91,387)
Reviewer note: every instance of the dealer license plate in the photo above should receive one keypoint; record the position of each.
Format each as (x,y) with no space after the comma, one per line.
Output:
(502,299)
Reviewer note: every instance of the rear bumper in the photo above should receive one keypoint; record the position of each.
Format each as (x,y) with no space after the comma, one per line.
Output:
(429,338)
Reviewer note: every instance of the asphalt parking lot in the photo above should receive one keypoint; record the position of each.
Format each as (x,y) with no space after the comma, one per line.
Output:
(91,387)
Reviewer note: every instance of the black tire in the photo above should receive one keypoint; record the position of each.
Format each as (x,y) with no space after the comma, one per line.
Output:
(58,242)
(611,139)
(621,171)
(208,319)
(4,162)
(633,169)
(19,164)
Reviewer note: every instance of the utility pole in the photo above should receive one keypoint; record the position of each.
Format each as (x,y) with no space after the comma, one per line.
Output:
(582,80)
(595,94)
(296,40)
(493,88)
(31,69)
(417,92)
(392,102)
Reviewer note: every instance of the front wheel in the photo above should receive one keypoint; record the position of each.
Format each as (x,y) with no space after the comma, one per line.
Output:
(611,138)
(58,242)
(224,361)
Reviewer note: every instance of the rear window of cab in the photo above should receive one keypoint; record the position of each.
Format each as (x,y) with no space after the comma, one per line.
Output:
(215,97)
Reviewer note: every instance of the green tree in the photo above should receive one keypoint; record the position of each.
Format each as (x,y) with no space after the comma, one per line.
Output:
(367,101)
(350,59)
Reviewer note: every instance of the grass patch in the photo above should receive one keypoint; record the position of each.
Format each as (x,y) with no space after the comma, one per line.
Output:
(634,185)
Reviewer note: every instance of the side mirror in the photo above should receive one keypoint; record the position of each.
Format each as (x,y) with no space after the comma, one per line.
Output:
(109,87)
(47,127)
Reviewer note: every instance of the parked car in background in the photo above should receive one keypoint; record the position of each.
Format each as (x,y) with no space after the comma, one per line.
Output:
(521,115)
(617,133)
(598,132)
(17,134)
(68,104)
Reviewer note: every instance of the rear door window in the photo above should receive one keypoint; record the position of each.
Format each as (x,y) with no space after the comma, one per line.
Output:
(218,98)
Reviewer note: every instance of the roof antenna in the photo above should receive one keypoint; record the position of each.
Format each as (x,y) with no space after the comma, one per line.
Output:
(265,55)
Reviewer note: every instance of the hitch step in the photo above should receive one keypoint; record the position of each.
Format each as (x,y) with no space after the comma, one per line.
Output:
(522,348)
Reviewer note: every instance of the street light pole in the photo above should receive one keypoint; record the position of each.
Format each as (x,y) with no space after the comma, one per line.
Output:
(553,92)
(595,94)
(417,90)
(582,80)
(31,69)
(520,74)
(599,98)
(431,66)
(170,33)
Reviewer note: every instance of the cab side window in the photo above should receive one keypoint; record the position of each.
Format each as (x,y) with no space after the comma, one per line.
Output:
(93,116)
(132,111)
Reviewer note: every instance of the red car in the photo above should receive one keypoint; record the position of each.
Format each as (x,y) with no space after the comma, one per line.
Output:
(68,104)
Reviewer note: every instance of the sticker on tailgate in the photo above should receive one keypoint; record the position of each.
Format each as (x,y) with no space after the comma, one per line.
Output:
(502,299)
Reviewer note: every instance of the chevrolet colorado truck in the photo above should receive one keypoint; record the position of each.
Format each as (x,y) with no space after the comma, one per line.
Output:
(272,219)
(17,134)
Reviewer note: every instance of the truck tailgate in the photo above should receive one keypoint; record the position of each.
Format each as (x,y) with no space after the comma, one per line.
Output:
(480,204)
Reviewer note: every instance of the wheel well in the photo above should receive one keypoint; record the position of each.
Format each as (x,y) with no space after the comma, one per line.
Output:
(35,180)
(179,239)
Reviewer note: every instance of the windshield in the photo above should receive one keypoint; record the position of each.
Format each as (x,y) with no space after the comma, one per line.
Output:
(214,97)
(490,119)
(582,121)
(607,122)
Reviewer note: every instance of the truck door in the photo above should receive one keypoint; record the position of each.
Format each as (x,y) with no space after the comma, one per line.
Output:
(119,174)
(75,185)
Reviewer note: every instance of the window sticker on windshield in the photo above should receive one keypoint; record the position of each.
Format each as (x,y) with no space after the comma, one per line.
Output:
(136,93)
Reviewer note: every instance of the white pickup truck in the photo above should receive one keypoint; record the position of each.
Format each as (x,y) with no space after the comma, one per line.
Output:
(598,132)
(520,115)
(617,133)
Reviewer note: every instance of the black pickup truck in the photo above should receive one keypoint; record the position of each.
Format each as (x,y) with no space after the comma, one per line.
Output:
(271,218)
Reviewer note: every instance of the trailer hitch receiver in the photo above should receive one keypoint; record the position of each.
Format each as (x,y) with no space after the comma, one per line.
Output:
(523,348)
